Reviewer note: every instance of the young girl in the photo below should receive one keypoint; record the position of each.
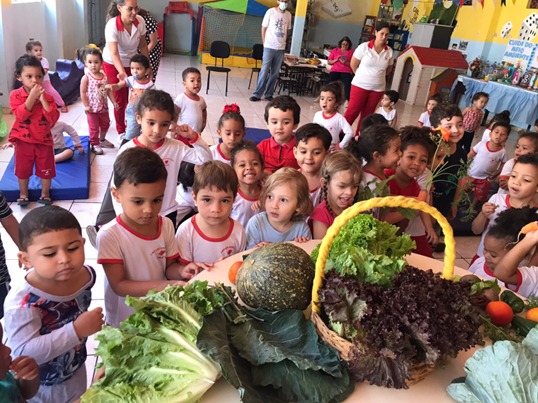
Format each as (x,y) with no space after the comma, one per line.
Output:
(472,117)
(231,130)
(340,179)
(94,94)
(503,116)
(330,99)
(387,109)
(286,204)
(248,165)
(424,119)
(35,48)
(527,143)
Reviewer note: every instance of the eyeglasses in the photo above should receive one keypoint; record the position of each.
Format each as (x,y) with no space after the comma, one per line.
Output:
(131,9)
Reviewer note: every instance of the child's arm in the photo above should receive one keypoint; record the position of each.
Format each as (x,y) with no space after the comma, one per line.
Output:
(506,269)
(117,86)
(84,93)
(11,226)
(26,372)
(74,136)
(348,133)
(481,220)
(420,124)
(185,271)
(319,229)
(471,154)
(395,120)
(454,209)
(428,225)
(204,118)
(199,153)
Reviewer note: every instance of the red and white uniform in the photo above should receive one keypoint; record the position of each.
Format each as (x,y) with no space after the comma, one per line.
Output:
(502,202)
(505,173)
(481,269)
(191,111)
(486,161)
(218,155)
(335,124)
(242,209)
(527,283)
(425,119)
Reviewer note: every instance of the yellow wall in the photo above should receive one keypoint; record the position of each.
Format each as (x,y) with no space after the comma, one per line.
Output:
(412,13)
(358,11)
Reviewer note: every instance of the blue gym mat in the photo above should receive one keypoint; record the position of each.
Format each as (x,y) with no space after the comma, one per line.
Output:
(72,179)
(257,135)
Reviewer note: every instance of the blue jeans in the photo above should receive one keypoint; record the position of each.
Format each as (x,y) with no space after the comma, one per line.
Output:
(133,128)
(272,60)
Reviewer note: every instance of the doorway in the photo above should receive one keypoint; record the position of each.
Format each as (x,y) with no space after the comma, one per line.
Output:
(96,21)
(405,82)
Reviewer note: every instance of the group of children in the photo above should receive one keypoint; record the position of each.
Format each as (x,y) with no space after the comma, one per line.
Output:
(289,187)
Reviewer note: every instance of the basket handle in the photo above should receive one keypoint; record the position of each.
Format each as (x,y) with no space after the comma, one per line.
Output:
(377,202)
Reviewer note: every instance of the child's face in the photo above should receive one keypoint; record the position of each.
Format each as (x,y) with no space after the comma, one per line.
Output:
(93,63)
(248,167)
(231,133)
(392,155)
(138,70)
(536,128)
(499,135)
(214,205)
(310,155)
(455,126)
(5,356)
(281,125)
(327,102)
(431,104)
(56,256)
(386,102)
(193,83)
(524,146)
(37,51)
(154,125)
(494,251)
(342,188)
(414,160)
(523,181)
(140,203)
(481,102)
(280,204)
(30,77)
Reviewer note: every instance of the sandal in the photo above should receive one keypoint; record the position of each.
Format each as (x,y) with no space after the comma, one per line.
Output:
(23,201)
(64,109)
(45,200)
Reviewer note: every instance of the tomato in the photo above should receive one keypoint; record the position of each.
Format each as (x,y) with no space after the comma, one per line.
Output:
(232,272)
(532,314)
(500,313)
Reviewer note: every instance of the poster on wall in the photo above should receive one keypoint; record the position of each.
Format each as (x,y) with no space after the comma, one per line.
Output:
(521,52)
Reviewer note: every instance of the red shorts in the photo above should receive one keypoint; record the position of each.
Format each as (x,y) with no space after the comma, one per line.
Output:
(423,247)
(28,154)
(481,188)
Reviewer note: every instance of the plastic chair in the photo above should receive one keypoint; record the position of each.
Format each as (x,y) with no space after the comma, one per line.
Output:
(219,50)
(257,55)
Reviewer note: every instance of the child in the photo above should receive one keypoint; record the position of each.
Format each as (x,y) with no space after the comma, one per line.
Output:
(522,188)
(35,114)
(503,116)
(286,205)
(138,250)
(19,378)
(138,83)
(35,48)
(417,151)
(11,225)
(313,144)
(472,117)
(211,234)
(330,100)
(282,116)
(61,152)
(47,314)
(247,163)
(192,107)
(424,119)
(386,107)
(340,179)
(527,143)
(94,94)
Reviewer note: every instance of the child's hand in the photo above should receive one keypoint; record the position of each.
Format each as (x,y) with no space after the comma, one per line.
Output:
(89,322)
(24,368)
(7,144)
(192,269)
(80,149)
(87,108)
(255,206)
(503,183)
(488,209)
(333,148)
(116,106)
(108,87)
(36,91)
(184,131)
(262,244)
(302,239)
(122,76)
(432,236)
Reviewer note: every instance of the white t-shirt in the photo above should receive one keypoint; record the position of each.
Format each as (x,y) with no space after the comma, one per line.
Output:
(425,119)
(373,67)
(191,111)
(143,258)
(485,135)
(335,124)
(278,24)
(481,269)
(218,155)
(242,209)
(387,115)
(506,171)
(195,246)
(45,64)
(136,88)
(128,43)
(485,162)
(503,203)
(315,196)
(528,281)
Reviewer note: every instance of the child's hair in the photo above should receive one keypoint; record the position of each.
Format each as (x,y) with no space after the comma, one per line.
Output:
(284,103)
(531,159)
(503,116)
(509,222)
(313,130)
(392,95)
(298,183)
(156,100)
(231,111)
(373,119)
(84,52)
(45,219)
(248,146)
(138,165)
(215,174)
(436,97)
(444,111)
(31,44)
(532,136)
(375,138)
(27,60)
(502,124)
(414,135)
(112,10)
(190,70)
(337,88)
(140,58)
(479,95)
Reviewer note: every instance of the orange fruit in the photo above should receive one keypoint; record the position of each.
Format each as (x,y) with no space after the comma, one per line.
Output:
(500,312)
(232,271)
(532,314)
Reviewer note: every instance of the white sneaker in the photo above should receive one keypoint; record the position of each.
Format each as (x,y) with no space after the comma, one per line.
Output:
(91,232)
(97,150)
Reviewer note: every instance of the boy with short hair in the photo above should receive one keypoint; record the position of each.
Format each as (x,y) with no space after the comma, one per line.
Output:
(191,106)
(386,107)
(424,119)
(212,234)
(527,143)
(282,115)
(137,249)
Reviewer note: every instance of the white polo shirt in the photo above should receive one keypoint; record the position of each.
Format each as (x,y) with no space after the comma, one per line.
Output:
(372,70)
(127,42)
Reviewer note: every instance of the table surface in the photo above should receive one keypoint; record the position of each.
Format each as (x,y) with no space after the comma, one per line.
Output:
(433,388)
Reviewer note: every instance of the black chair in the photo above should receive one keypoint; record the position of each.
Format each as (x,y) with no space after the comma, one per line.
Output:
(219,50)
(257,55)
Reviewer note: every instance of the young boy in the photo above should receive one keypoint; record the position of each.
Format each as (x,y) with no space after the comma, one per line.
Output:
(61,152)
(35,114)
(527,143)
(11,225)
(312,146)
(138,250)
(192,107)
(47,315)
(282,116)
(424,119)
(211,234)
(386,107)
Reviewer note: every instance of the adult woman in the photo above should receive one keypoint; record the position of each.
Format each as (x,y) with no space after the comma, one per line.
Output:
(155,46)
(372,62)
(124,34)
(339,60)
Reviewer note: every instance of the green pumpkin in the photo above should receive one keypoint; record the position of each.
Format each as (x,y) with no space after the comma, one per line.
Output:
(275,277)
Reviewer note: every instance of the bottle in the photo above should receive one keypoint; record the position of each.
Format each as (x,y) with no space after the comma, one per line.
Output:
(532,80)
(516,76)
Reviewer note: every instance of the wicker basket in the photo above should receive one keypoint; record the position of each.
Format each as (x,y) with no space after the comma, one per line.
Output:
(343,346)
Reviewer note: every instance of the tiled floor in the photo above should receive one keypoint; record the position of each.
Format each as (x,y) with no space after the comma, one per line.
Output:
(169,79)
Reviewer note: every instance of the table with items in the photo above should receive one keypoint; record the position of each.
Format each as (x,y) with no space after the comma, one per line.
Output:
(300,75)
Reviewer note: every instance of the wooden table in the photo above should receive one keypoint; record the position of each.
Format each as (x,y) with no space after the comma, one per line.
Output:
(296,75)
(431,389)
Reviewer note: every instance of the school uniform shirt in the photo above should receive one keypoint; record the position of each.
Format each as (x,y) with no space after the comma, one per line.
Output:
(217,154)
(387,115)
(502,202)
(371,180)
(191,111)
(371,74)
(315,196)
(128,43)
(335,124)
(195,246)
(481,269)
(143,259)
(527,284)
(276,156)
(322,214)
(486,161)
(260,230)
(242,209)
(425,119)
(505,173)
